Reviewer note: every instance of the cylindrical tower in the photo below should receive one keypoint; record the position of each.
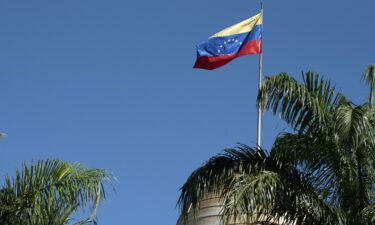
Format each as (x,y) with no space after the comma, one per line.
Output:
(209,213)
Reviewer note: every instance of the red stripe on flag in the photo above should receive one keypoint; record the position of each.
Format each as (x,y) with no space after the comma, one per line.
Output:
(213,62)
(251,47)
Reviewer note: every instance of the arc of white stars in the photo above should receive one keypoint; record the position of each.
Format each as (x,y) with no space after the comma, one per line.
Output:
(228,41)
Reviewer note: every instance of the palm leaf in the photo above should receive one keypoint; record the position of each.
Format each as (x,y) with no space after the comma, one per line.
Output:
(44,189)
(254,187)
(301,105)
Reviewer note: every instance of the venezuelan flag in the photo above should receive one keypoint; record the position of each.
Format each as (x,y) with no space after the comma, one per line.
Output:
(243,38)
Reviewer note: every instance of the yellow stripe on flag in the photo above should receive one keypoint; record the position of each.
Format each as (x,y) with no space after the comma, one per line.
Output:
(241,27)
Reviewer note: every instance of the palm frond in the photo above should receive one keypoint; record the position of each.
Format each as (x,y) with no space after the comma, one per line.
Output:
(300,105)
(256,189)
(368,214)
(47,188)
(216,174)
(277,194)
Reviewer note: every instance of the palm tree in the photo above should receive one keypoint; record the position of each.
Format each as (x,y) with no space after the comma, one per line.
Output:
(49,192)
(323,172)
(369,77)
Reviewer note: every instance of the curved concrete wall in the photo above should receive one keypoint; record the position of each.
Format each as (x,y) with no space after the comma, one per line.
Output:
(209,213)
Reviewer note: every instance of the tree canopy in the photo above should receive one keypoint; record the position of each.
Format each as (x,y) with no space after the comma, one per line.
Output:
(48,192)
(323,172)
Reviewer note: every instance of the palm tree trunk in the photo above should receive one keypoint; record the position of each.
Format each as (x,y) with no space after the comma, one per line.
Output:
(371,99)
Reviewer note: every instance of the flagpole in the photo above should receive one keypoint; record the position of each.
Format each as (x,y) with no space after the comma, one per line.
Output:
(259,126)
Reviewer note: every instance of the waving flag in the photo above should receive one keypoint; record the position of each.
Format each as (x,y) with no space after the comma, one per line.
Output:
(243,38)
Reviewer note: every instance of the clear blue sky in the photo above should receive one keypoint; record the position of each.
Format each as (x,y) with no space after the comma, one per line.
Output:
(110,84)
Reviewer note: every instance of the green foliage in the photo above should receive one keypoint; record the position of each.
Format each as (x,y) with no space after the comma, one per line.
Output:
(322,173)
(48,192)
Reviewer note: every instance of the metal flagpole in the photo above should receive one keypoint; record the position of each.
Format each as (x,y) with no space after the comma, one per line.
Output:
(259,127)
